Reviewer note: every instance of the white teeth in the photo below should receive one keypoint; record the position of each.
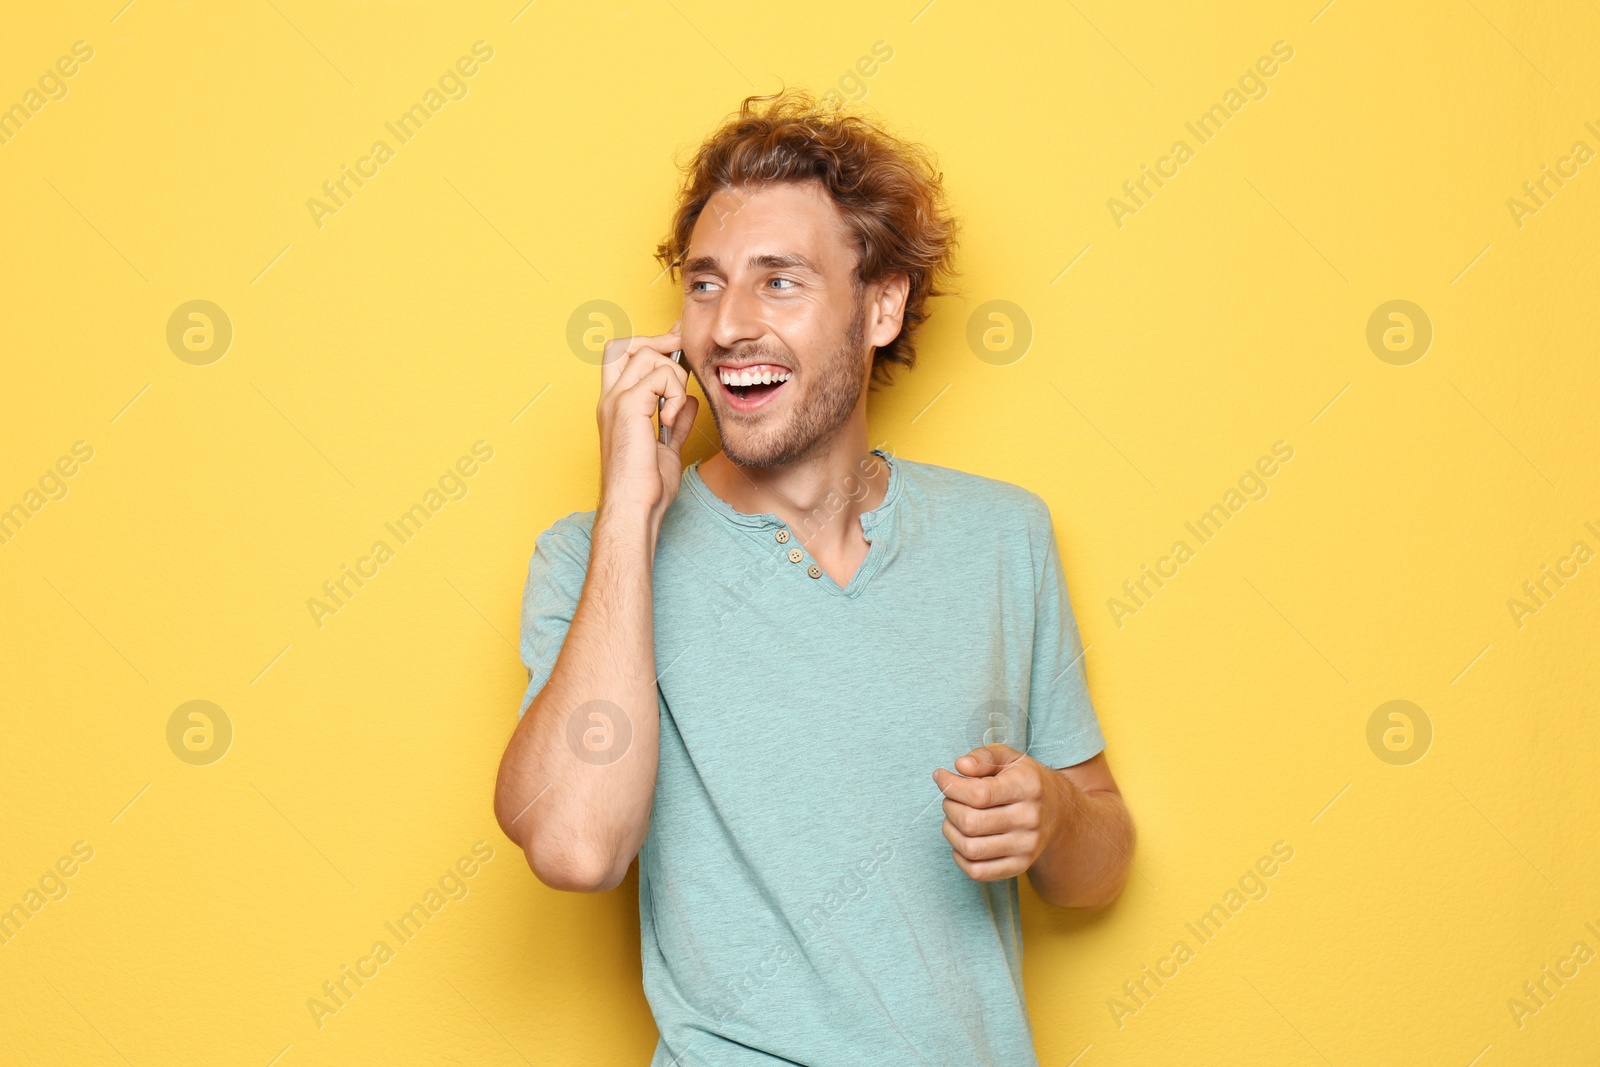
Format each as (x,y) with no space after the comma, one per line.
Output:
(746,377)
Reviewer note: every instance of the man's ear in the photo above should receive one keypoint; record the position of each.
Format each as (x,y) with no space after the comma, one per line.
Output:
(887,309)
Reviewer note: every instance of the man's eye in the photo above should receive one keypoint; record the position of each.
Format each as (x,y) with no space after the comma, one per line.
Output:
(787,281)
(695,285)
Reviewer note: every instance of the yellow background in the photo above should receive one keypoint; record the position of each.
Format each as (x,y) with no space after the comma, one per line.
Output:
(369,354)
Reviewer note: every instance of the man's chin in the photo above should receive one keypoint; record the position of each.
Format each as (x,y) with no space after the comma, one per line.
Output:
(746,437)
(743,454)
(746,449)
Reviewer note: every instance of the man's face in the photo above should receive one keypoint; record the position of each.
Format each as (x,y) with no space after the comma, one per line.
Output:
(769,293)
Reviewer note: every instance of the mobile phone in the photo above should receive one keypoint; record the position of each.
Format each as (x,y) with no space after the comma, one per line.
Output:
(666,431)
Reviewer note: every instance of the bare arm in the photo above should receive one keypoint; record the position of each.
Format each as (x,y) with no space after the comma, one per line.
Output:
(1090,837)
(580,811)
(577,780)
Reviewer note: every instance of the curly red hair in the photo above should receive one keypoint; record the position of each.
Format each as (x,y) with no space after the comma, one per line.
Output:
(888,190)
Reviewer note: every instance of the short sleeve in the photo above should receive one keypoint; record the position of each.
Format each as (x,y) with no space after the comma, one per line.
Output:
(1063,728)
(555,581)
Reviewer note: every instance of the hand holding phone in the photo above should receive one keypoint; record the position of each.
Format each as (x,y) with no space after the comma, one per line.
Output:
(638,477)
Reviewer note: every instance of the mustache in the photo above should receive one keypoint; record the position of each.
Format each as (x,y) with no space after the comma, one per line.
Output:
(747,354)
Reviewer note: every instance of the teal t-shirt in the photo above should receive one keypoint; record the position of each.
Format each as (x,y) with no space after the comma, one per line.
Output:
(798,902)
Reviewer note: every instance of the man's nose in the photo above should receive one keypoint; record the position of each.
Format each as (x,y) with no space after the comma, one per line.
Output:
(738,318)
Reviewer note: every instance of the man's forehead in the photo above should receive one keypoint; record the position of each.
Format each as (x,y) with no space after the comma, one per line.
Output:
(756,226)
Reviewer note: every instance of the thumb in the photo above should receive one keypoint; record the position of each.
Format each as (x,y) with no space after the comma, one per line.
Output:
(988,760)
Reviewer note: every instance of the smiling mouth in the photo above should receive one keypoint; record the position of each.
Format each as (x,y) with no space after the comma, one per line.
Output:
(753,386)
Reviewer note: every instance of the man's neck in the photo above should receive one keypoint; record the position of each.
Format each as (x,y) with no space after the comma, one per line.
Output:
(821,498)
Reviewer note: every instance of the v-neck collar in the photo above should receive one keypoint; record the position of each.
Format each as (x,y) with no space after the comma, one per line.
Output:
(871,523)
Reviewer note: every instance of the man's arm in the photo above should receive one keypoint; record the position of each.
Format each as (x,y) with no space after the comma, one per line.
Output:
(580,821)
(569,793)
(1088,841)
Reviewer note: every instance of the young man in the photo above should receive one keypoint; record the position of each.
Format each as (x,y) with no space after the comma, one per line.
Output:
(753,671)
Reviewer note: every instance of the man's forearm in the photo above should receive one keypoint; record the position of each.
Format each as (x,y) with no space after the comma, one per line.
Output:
(581,813)
(1087,861)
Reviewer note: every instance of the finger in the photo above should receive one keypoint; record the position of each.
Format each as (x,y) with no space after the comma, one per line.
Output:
(661,342)
(635,363)
(643,397)
(615,357)
(643,362)
(997,846)
(987,822)
(979,792)
(990,870)
(989,759)
(973,792)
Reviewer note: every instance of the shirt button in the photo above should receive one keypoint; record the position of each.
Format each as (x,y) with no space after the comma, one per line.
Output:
(814,570)
(795,555)
(782,536)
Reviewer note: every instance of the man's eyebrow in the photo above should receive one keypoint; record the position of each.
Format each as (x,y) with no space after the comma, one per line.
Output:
(769,260)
